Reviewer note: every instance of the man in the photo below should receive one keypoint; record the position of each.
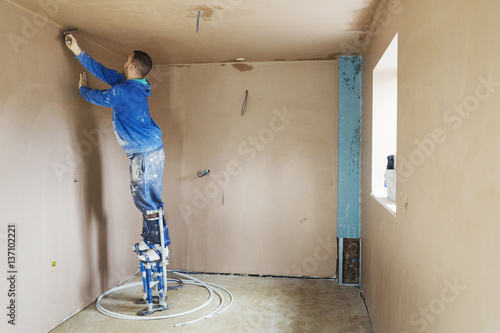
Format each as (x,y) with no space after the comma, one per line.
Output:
(136,132)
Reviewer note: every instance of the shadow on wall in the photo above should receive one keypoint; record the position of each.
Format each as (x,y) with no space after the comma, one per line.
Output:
(161,107)
(95,222)
(88,175)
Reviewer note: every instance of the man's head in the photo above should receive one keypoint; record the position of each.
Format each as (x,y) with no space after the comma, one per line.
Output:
(138,65)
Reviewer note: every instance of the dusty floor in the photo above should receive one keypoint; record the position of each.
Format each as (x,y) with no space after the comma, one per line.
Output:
(260,305)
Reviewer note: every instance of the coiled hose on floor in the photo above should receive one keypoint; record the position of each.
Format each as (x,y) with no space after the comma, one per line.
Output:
(181,279)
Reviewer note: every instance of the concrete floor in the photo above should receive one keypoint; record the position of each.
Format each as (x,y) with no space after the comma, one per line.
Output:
(260,305)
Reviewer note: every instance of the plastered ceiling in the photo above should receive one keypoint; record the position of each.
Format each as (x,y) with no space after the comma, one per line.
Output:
(257,30)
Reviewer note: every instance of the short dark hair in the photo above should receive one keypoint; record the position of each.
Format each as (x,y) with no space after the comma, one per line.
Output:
(142,62)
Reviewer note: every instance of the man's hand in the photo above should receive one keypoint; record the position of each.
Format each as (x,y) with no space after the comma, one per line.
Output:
(83,80)
(72,44)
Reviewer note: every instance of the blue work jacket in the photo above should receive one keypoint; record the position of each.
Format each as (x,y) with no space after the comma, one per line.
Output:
(134,128)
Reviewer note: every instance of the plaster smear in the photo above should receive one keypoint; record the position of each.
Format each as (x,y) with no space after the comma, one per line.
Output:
(243,67)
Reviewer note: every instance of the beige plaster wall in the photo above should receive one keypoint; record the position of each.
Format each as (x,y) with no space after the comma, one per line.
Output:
(269,204)
(433,267)
(64,179)
(268,207)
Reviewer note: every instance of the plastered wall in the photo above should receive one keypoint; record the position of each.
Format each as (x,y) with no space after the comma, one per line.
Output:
(433,267)
(268,206)
(63,178)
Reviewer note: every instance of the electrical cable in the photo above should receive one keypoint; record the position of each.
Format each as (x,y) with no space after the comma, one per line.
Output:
(198,22)
(244,106)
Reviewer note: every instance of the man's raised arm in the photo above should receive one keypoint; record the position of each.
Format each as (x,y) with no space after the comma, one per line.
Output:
(105,74)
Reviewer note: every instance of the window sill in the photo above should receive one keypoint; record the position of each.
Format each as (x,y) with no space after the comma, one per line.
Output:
(386,203)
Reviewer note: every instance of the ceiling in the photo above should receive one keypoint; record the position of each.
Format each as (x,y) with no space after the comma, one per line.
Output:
(257,30)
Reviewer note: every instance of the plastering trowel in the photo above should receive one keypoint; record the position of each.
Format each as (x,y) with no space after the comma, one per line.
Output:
(65,34)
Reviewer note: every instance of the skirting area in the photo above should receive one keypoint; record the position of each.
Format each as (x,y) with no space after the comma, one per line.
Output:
(260,305)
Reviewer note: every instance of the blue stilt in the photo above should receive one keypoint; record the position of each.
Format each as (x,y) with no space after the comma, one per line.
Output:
(155,273)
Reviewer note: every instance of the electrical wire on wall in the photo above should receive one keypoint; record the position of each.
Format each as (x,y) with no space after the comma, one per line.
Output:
(198,22)
(244,106)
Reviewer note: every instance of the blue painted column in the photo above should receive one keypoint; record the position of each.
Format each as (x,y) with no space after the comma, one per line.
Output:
(349,148)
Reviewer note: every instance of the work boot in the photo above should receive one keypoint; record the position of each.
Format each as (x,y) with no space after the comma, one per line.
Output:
(142,246)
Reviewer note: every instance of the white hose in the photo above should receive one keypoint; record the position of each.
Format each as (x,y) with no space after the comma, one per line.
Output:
(221,298)
(192,281)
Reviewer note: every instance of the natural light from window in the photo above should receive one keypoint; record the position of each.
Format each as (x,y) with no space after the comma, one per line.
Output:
(384,124)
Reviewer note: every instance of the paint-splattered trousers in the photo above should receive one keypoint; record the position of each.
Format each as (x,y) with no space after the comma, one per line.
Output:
(146,177)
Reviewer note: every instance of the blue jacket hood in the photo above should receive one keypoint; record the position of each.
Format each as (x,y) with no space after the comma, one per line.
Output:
(145,88)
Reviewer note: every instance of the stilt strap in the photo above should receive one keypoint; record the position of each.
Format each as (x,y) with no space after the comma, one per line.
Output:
(153,214)
(147,260)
